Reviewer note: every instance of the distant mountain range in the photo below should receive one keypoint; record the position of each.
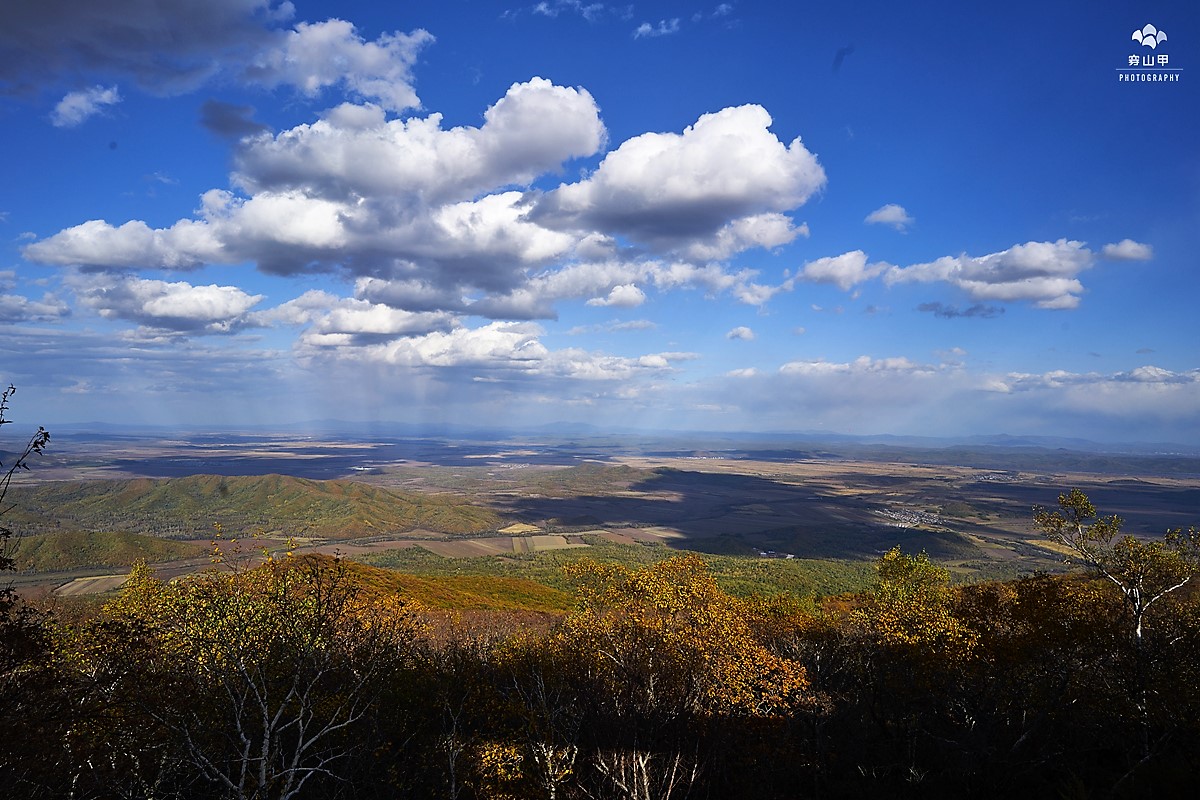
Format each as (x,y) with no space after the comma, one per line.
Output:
(580,432)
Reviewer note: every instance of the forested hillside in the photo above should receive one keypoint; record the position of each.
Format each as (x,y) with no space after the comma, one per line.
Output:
(190,507)
(73,549)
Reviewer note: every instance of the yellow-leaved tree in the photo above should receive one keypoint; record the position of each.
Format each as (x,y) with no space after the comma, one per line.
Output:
(665,654)
(265,674)
(911,608)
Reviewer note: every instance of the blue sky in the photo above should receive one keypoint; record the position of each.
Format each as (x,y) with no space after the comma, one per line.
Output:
(859,217)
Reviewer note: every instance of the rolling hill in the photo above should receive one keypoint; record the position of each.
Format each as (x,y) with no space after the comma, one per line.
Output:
(189,508)
(67,550)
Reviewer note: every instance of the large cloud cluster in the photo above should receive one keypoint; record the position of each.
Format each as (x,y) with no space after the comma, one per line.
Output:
(429,220)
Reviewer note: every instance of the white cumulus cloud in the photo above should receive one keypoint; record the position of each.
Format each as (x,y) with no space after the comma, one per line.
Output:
(173,306)
(1128,250)
(185,245)
(844,271)
(627,295)
(314,56)
(676,191)
(355,151)
(890,214)
(1044,273)
(392,200)
(351,320)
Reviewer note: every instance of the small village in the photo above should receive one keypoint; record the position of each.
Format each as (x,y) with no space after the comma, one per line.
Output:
(910,519)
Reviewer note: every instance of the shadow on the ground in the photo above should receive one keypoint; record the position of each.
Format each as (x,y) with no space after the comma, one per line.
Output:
(742,514)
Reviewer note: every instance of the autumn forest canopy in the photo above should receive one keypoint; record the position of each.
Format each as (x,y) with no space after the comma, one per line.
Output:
(301,678)
(312,676)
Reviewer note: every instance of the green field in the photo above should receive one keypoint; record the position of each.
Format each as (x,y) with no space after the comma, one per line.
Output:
(738,576)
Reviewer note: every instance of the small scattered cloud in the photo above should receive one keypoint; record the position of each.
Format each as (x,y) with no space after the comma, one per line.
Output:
(349,321)
(892,215)
(77,107)
(845,271)
(1044,273)
(952,357)
(178,306)
(740,333)
(722,11)
(952,312)
(616,326)
(15,308)
(553,8)
(1127,250)
(626,295)
(633,325)
(863,365)
(185,245)
(665,27)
